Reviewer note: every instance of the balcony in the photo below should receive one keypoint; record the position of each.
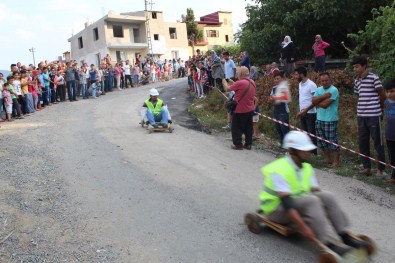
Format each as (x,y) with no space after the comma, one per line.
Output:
(127,45)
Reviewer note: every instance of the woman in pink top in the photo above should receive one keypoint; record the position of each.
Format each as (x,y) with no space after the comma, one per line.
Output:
(117,74)
(319,53)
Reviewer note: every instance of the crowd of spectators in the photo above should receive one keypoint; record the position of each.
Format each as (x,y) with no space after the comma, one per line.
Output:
(318,104)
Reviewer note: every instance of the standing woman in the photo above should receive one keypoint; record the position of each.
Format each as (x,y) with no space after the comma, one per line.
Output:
(217,70)
(319,53)
(288,54)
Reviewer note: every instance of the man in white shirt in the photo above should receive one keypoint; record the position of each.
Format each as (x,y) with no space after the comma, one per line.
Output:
(230,66)
(307,117)
(128,77)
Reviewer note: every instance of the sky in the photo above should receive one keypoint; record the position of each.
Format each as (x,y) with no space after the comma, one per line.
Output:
(47,24)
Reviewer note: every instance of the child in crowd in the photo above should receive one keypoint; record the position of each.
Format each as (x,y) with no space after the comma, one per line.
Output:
(389,108)
(16,108)
(18,90)
(7,101)
(280,110)
(95,88)
(204,81)
(136,74)
(229,113)
(255,119)
(2,81)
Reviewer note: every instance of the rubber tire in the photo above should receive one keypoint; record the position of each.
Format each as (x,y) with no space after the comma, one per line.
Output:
(253,223)
(325,257)
(372,249)
(142,123)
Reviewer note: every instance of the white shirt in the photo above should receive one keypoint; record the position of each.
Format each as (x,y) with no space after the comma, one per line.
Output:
(281,185)
(306,93)
(229,69)
(126,68)
(17,87)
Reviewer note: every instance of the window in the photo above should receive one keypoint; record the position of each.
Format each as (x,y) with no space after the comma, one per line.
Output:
(154,15)
(117,31)
(212,33)
(226,38)
(95,34)
(136,35)
(80,43)
(173,33)
(225,21)
(121,55)
(98,59)
(175,54)
(156,37)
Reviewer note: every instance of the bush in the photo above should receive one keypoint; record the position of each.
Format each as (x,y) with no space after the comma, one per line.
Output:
(377,40)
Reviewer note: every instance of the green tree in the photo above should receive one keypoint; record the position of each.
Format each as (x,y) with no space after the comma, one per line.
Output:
(194,33)
(377,41)
(270,20)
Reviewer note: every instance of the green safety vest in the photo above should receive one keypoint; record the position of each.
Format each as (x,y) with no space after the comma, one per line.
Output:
(155,109)
(299,187)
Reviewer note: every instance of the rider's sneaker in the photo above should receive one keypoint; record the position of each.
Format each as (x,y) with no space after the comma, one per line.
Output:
(164,125)
(340,250)
(353,242)
(155,125)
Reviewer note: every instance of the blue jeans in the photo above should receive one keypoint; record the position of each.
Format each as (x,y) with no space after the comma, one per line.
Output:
(1,107)
(47,95)
(282,129)
(93,92)
(162,117)
(110,82)
(71,90)
(83,91)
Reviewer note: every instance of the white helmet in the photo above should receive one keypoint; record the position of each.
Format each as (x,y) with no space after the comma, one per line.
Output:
(153,92)
(298,140)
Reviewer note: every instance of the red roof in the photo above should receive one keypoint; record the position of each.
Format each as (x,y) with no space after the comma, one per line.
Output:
(211,18)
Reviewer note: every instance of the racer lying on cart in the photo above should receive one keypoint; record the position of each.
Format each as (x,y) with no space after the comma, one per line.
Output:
(154,111)
(291,195)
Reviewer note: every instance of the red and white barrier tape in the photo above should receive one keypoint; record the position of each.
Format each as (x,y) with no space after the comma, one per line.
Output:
(325,140)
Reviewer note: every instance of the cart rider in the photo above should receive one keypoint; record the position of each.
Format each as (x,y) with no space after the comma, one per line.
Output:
(155,111)
(291,196)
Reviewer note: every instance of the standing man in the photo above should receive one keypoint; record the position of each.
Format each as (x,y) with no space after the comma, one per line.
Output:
(70,82)
(319,52)
(326,99)
(369,111)
(128,76)
(230,67)
(307,115)
(244,90)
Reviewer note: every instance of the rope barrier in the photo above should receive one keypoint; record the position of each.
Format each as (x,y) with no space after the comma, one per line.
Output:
(325,140)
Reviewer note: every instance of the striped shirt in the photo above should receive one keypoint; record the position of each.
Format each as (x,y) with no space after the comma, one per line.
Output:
(369,99)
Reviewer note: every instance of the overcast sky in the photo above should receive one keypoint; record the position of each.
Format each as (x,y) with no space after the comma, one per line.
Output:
(46,25)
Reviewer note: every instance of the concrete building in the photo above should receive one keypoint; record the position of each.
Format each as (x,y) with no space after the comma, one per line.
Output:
(124,36)
(217,30)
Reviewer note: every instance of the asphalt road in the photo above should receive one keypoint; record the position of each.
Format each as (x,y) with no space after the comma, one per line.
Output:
(180,197)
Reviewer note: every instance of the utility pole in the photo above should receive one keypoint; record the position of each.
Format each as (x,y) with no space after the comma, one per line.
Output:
(147,18)
(33,50)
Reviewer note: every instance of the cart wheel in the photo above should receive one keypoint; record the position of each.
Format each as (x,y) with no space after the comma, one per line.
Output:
(142,123)
(253,223)
(371,249)
(326,257)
